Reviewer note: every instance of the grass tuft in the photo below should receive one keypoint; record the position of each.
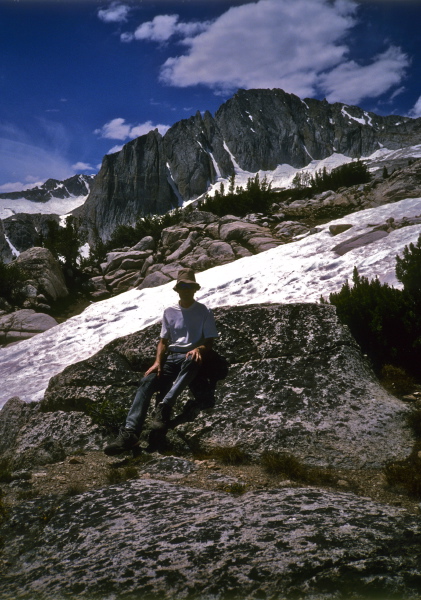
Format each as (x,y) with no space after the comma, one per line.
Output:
(236,489)
(73,490)
(406,473)
(229,455)
(396,380)
(5,471)
(282,463)
(121,475)
(4,510)
(414,421)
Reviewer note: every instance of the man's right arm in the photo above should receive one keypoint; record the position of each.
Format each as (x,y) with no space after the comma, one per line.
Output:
(161,351)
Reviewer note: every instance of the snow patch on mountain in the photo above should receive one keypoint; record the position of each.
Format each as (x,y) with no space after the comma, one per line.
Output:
(283,175)
(55,206)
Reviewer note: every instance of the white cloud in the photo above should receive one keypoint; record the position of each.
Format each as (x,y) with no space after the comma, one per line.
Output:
(351,82)
(397,92)
(82,166)
(23,161)
(115,13)
(301,47)
(159,30)
(415,112)
(163,27)
(18,186)
(113,150)
(118,129)
(271,43)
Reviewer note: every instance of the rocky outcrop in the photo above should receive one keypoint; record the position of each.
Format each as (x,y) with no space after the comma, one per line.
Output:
(402,183)
(133,182)
(200,241)
(29,437)
(297,383)
(256,129)
(44,272)
(161,541)
(23,324)
(6,254)
(26,231)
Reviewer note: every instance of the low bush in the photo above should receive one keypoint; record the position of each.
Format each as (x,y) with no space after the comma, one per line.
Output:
(12,279)
(385,322)
(236,489)
(119,475)
(406,474)
(257,197)
(396,380)
(281,463)
(5,471)
(4,510)
(150,225)
(108,414)
(229,455)
(414,421)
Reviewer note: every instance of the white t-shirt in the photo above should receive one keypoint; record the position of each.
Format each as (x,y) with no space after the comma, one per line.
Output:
(186,328)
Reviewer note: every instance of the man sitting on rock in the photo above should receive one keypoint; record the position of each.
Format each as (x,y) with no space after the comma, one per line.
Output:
(187,333)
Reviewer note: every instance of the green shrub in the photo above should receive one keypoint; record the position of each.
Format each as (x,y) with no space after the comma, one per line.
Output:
(12,279)
(150,225)
(257,197)
(414,421)
(282,463)
(406,473)
(4,510)
(408,269)
(396,380)
(236,489)
(378,317)
(5,471)
(63,242)
(352,173)
(118,475)
(108,414)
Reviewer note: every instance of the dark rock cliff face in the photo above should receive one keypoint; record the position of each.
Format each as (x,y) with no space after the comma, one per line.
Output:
(131,183)
(259,129)
(297,383)
(26,231)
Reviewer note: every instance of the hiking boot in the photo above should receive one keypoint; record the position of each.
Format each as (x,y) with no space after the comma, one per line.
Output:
(162,417)
(125,441)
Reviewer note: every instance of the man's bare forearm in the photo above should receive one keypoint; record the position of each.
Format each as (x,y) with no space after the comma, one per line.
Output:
(161,351)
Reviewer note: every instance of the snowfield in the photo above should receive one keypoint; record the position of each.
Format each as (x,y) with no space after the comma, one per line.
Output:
(301,271)
(55,206)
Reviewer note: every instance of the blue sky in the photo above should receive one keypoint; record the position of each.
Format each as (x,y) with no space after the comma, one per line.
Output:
(79,78)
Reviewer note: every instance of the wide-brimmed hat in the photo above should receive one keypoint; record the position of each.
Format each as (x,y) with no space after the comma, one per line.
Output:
(186,276)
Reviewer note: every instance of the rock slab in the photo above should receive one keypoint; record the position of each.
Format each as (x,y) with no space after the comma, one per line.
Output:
(297,383)
(152,540)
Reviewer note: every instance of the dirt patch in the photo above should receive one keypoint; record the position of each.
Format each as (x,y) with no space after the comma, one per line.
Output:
(94,470)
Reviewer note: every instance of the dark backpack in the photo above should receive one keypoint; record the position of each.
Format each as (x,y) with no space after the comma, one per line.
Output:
(214,366)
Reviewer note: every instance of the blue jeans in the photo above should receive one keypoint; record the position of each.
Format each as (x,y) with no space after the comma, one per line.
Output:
(177,373)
